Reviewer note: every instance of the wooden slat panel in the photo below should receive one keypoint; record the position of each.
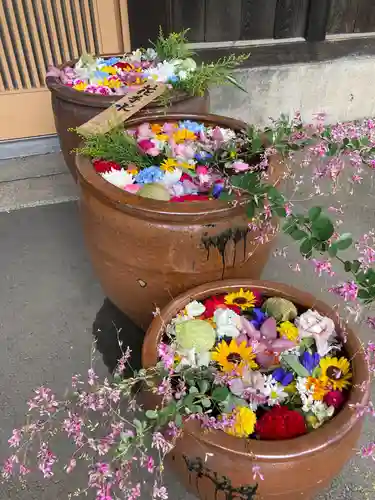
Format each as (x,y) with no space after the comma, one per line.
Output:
(189,15)
(89,28)
(365,21)
(61,32)
(46,47)
(108,24)
(291,16)
(9,51)
(125,32)
(258,19)
(79,27)
(8,83)
(223,20)
(342,16)
(36,41)
(54,33)
(69,26)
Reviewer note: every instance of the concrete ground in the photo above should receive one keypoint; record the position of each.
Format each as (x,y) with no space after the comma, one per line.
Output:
(50,299)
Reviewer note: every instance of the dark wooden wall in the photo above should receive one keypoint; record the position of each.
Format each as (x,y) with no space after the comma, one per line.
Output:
(228,20)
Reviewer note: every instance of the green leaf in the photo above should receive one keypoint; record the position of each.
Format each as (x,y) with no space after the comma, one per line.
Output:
(363,294)
(355,266)
(280,211)
(292,361)
(322,228)
(203,385)
(256,145)
(250,209)
(289,226)
(151,414)
(220,393)
(225,196)
(298,234)
(344,242)
(206,403)
(332,250)
(317,372)
(244,181)
(314,213)
(193,390)
(178,420)
(347,266)
(306,248)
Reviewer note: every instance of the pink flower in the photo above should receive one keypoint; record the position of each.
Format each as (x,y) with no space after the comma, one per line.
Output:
(240,166)
(132,188)
(146,144)
(201,170)
(144,131)
(335,399)
(323,266)
(348,290)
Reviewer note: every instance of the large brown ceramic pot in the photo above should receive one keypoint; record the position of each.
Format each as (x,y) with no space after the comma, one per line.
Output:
(72,108)
(146,252)
(293,469)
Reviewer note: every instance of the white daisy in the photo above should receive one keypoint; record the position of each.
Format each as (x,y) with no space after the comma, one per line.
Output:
(274,391)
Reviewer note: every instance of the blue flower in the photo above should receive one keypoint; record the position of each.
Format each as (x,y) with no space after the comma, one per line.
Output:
(310,361)
(111,61)
(217,189)
(100,75)
(203,156)
(282,376)
(193,126)
(258,318)
(149,175)
(173,79)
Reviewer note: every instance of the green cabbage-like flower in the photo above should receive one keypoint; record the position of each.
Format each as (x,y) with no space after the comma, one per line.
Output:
(154,191)
(280,309)
(195,334)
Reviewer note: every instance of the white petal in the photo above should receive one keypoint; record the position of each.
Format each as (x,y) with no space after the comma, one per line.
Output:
(195,308)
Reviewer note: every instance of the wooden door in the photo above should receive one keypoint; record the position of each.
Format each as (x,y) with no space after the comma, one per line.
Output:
(36,33)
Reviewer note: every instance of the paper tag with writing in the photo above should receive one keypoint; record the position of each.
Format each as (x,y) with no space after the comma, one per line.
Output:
(122,109)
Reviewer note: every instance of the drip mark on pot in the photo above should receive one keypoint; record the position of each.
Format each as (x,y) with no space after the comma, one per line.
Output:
(221,241)
(221,483)
(142,283)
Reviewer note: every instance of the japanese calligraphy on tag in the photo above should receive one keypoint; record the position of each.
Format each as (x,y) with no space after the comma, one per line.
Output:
(122,109)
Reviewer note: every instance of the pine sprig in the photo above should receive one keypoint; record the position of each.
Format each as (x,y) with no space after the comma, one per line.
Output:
(115,146)
(211,74)
(174,46)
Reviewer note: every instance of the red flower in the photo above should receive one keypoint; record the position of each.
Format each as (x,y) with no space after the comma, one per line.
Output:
(281,423)
(102,166)
(335,399)
(186,177)
(146,144)
(217,302)
(190,197)
(124,66)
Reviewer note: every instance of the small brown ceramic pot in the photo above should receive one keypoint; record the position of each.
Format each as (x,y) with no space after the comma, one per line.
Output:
(72,108)
(293,469)
(146,252)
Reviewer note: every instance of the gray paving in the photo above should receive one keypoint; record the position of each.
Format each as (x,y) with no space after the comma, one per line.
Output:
(49,298)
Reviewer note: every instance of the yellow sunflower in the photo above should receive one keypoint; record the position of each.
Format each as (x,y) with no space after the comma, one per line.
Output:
(319,387)
(168,165)
(244,422)
(186,165)
(234,357)
(288,331)
(336,373)
(162,137)
(109,69)
(242,299)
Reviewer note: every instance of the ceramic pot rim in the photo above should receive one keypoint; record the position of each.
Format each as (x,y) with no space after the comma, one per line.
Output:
(330,433)
(129,202)
(74,96)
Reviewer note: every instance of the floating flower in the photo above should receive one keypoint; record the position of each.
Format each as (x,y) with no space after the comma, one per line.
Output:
(244,422)
(149,175)
(227,323)
(119,178)
(310,361)
(195,127)
(282,376)
(258,317)
(195,334)
(233,357)
(274,391)
(250,382)
(281,309)
(168,165)
(240,166)
(217,302)
(335,399)
(336,373)
(321,328)
(182,135)
(288,331)
(243,299)
(195,308)
(154,191)
(149,147)
(280,423)
(317,388)
(102,166)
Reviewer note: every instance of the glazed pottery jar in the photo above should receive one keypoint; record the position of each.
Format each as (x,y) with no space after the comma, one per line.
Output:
(145,252)
(293,469)
(72,108)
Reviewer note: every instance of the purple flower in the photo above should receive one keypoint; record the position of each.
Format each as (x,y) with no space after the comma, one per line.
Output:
(217,189)
(258,317)
(310,361)
(280,375)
